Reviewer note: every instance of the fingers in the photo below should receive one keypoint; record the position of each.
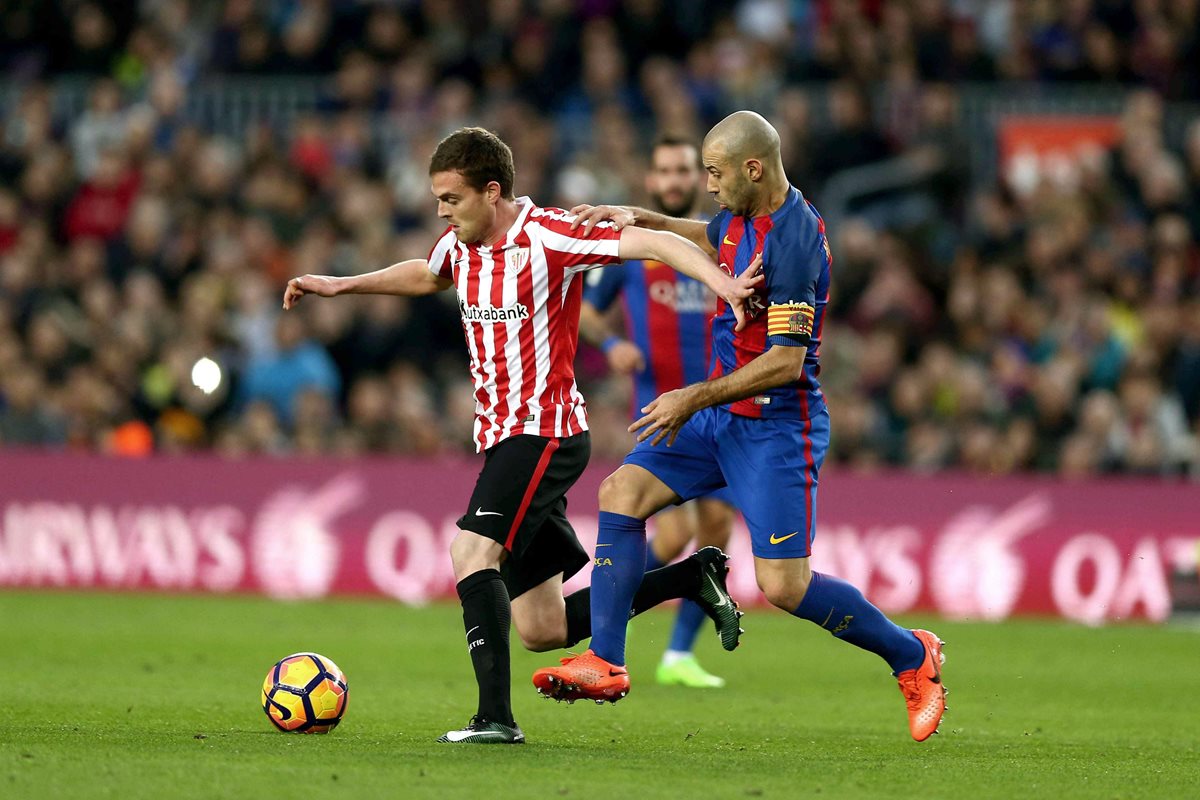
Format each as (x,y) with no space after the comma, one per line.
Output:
(650,431)
(639,363)
(739,316)
(588,218)
(641,423)
(292,294)
(579,211)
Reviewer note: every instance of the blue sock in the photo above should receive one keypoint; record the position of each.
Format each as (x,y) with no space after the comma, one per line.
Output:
(842,610)
(616,575)
(652,561)
(687,626)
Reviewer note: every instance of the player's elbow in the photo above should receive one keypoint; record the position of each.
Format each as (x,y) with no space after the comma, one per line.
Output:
(789,363)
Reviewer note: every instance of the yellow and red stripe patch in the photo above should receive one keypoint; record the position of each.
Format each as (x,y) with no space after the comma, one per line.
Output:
(795,319)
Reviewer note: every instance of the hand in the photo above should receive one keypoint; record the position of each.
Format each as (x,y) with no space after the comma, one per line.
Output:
(665,415)
(320,285)
(588,216)
(741,288)
(625,358)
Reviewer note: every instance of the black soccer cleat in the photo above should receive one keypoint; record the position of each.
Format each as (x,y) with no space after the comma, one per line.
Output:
(714,596)
(483,731)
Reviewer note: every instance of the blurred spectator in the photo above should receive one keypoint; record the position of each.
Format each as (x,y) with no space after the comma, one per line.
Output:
(298,366)
(1050,323)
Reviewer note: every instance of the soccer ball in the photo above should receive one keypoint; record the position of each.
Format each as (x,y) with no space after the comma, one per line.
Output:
(305,693)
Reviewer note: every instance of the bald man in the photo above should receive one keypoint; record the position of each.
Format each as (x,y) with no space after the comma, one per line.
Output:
(758,425)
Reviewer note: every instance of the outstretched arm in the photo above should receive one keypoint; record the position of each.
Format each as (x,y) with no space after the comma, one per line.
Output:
(410,278)
(622,216)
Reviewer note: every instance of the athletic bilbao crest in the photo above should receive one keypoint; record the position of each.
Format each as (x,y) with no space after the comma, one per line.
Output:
(515,258)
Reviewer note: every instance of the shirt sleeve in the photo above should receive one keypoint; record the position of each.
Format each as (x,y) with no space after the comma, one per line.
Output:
(792,277)
(603,286)
(441,257)
(577,250)
(714,229)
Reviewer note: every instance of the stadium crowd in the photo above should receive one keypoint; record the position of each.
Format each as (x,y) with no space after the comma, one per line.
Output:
(976,325)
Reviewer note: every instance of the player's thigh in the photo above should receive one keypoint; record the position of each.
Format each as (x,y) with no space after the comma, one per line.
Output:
(553,552)
(523,479)
(714,520)
(688,468)
(783,581)
(772,467)
(673,529)
(540,615)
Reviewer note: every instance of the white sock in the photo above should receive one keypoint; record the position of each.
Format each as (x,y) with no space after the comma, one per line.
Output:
(671,656)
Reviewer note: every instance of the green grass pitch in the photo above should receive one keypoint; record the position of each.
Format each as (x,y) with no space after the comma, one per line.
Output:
(130,696)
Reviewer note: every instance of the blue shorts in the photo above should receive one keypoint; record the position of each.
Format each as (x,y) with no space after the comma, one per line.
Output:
(769,465)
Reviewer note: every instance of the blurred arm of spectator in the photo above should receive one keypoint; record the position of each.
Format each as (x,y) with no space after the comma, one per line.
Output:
(602,290)
(624,357)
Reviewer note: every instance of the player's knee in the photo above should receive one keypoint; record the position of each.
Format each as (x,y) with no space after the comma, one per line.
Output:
(540,641)
(784,591)
(470,553)
(620,493)
(542,635)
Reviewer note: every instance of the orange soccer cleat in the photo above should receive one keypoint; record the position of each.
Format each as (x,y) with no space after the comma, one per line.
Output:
(923,690)
(586,676)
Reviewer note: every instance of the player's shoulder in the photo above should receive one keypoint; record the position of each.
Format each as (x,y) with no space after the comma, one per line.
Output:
(443,245)
(721,218)
(560,220)
(799,225)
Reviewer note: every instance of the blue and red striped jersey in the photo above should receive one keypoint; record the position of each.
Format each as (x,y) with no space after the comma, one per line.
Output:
(789,309)
(666,315)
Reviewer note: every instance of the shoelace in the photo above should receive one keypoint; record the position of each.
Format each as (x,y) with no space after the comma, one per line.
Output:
(910,685)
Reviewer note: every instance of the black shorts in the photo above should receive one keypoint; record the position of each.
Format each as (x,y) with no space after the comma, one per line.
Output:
(520,501)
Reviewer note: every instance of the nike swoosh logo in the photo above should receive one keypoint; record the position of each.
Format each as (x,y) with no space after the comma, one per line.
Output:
(724,598)
(460,736)
(479,512)
(726,241)
(782,539)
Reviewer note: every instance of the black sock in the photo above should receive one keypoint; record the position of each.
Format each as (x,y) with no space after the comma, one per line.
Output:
(658,586)
(486,617)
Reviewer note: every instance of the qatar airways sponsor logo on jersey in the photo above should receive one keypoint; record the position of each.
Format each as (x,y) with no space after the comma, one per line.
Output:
(684,297)
(491,314)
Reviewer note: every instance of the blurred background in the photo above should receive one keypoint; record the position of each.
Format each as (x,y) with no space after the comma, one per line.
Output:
(1012,187)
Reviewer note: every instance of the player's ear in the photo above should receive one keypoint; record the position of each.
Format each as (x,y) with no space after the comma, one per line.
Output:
(492,192)
(754,170)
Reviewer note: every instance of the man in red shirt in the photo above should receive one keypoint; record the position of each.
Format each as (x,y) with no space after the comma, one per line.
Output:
(516,269)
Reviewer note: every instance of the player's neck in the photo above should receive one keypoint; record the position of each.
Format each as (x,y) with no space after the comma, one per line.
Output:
(773,200)
(506,215)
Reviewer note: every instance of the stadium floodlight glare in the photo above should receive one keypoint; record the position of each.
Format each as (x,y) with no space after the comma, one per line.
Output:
(206,375)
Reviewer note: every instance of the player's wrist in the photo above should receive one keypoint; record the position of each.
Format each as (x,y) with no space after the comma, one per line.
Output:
(609,343)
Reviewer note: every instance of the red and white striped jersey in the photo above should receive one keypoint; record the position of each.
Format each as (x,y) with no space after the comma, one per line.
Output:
(520,312)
